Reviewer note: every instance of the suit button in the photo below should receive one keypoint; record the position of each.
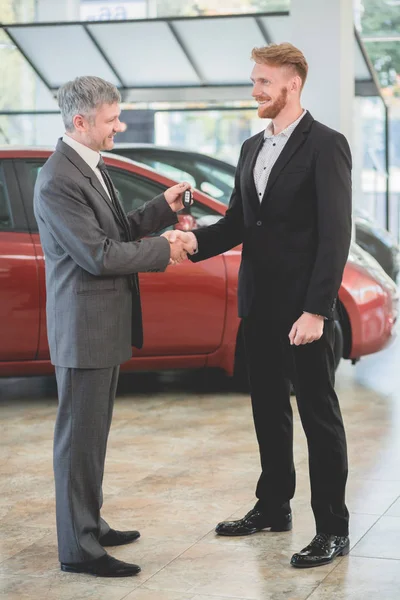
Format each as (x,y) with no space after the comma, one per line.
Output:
(259,223)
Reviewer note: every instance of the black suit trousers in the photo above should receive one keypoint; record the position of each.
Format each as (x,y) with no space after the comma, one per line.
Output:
(272,364)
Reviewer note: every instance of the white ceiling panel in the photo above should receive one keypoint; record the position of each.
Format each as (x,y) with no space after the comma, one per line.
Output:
(145,53)
(221,47)
(62,52)
(155,54)
(278,28)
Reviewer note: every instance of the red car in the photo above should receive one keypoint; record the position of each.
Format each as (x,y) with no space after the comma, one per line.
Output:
(190,311)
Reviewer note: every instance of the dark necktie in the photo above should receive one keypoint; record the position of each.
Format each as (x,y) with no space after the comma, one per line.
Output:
(114,197)
(110,186)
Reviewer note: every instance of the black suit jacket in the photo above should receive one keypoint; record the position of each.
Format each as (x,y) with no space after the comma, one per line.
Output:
(296,241)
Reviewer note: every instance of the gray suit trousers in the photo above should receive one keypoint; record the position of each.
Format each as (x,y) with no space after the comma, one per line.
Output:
(86,401)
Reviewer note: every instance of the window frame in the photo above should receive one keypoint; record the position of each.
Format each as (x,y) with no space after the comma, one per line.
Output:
(131,175)
(19,218)
(23,177)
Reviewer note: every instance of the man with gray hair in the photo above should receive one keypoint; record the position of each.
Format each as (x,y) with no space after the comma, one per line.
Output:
(93,252)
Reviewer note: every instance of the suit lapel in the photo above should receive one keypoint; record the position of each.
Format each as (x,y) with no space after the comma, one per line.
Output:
(252,191)
(293,144)
(88,173)
(121,213)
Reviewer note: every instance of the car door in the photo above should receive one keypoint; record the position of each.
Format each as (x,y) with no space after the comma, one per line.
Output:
(19,286)
(27,170)
(184,307)
(204,173)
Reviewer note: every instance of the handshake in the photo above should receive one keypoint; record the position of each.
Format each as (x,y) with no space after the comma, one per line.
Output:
(181,244)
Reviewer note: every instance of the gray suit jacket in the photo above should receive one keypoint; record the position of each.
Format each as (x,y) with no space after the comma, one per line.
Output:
(91,254)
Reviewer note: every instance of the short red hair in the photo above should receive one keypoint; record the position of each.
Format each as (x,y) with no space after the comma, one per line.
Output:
(282,55)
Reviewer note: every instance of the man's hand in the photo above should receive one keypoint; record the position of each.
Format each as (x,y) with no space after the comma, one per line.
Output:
(307,329)
(181,243)
(187,239)
(173,195)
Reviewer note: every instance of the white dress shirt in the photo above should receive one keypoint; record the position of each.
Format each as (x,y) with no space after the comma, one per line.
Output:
(91,157)
(269,153)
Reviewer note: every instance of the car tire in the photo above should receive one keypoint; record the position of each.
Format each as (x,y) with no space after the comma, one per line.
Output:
(338,344)
(240,376)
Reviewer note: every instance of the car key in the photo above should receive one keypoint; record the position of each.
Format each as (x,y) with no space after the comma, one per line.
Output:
(187,198)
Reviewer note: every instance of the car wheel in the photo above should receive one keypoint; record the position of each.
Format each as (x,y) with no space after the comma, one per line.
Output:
(240,376)
(339,343)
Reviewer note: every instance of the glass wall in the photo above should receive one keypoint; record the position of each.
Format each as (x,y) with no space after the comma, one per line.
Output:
(219,133)
(23,11)
(165,8)
(30,129)
(369,155)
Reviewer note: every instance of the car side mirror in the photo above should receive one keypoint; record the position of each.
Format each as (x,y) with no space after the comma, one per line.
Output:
(186,223)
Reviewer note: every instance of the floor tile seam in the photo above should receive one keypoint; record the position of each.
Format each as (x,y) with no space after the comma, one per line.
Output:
(375,557)
(321,583)
(5,523)
(175,558)
(48,587)
(314,590)
(367,514)
(393,503)
(55,582)
(222,468)
(198,593)
(339,562)
(25,548)
(132,590)
(372,479)
(365,533)
(368,530)
(27,527)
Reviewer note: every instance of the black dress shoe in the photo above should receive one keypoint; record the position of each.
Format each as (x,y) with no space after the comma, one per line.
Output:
(253,522)
(118,538)
(106,566)
(321,551)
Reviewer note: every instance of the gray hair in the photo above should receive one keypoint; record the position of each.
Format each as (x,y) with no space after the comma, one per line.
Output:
(83,96)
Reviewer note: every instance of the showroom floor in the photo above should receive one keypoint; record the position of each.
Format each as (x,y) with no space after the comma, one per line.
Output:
(182,456)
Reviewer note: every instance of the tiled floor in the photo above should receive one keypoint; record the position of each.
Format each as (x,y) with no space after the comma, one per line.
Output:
(182,456)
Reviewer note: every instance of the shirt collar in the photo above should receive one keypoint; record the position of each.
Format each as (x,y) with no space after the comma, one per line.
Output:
(91,157)
(287,132)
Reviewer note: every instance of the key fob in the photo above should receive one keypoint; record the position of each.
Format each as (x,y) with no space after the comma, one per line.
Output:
(187,198)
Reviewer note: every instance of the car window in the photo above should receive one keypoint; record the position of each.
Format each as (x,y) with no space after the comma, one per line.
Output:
(168,170)
(28,170)
(223,176)
(133,190)
(216,182)
(34,170)
(203,214)
(6,220)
